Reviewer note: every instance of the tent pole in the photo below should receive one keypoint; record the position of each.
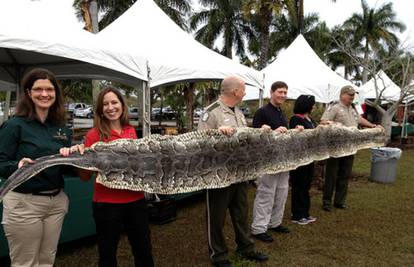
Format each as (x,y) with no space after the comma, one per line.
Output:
(146,108)
(403,130)
(261,92)
(146,105)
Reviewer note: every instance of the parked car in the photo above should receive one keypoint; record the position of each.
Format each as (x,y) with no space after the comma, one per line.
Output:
(167,113)
(84,113)
(155,113)
(133,113)
(73,106)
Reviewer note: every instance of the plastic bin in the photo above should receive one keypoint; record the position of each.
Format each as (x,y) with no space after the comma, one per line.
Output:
(384,164)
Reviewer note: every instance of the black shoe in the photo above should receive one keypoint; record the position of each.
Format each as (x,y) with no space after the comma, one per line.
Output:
(264,237)
(224,263)
(280,229)
(340,206)
(255,256)
(326,207)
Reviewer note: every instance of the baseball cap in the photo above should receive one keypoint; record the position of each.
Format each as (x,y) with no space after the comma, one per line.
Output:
(348,89)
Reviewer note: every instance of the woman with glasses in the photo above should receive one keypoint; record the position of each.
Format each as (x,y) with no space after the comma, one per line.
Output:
(301,178)
(33,212)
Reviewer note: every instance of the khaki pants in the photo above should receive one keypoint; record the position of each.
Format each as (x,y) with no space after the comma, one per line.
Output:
(32,225)
(270,200)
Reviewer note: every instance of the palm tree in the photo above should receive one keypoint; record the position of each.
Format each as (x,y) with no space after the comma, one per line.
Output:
(222,17)
(261,14)
(300,13)
(373,27)
(341,40)
(175,9)
(287,29)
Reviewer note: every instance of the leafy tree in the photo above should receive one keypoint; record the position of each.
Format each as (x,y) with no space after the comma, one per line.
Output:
(175,9)
(77,90)
(260,14)
(287,29)
(374,28)
(222,18)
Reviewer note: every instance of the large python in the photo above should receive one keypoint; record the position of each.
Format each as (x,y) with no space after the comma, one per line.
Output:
(204,159)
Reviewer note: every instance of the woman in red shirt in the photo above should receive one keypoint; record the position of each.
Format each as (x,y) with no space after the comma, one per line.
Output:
(117,209)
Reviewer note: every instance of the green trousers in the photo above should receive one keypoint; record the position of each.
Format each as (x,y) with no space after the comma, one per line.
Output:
(218,201)
(338,172)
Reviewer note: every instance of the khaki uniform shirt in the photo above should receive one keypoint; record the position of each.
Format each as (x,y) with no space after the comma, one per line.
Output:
(218,114)
(338,112)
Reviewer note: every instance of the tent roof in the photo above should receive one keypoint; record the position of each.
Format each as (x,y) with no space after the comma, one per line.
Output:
(173,54)
(389,90)
(31,40)
(304,72)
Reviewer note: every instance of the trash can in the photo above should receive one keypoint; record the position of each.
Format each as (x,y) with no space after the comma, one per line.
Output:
(384,164)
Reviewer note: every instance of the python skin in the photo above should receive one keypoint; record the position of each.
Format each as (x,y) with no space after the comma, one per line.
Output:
(204,159)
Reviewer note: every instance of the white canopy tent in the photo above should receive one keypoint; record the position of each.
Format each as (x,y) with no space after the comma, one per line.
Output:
(34,34)
(173,54)
(41,34)
(304,72)
(382,85)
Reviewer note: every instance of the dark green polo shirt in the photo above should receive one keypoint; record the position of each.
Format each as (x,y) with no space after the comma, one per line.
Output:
(24,138)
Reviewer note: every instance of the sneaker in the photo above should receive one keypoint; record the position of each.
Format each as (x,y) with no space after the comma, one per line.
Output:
(255,256)
(280,229)
(311,219)
(301,221)
(264,237)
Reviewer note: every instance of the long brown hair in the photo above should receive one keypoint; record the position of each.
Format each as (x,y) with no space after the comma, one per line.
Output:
(100,121)
(25,106)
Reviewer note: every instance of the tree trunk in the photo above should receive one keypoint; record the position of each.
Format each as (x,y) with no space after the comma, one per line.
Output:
(93,9)
(93,13)
(189,101)
(365,71)
(386,119)
(263,26)
(300,16)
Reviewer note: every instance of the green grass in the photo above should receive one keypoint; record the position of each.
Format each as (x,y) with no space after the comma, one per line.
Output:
(376,230)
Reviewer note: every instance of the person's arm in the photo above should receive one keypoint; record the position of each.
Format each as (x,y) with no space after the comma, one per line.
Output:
(91,138)
(365,123)
(9,140)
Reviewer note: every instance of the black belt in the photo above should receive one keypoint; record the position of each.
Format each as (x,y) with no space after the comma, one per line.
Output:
(47,194)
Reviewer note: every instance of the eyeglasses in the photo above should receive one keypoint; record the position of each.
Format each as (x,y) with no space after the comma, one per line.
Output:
(39,90)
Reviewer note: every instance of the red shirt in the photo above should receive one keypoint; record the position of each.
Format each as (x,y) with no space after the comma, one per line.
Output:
(105,194)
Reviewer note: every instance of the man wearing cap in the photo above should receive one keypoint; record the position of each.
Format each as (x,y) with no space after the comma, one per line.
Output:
(224,115)
(338,170)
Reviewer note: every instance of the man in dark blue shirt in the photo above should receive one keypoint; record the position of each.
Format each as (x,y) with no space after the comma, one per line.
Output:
(272,189)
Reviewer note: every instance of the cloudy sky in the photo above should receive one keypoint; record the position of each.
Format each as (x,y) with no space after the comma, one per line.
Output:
(336,13)
(332,13)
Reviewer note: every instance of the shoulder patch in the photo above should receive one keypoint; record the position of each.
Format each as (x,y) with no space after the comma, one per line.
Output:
(204,117)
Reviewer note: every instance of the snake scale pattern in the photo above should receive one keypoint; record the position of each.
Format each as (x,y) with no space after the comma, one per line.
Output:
(204,159)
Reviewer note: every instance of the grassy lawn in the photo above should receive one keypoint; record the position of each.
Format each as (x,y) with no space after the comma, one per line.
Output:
(377,229)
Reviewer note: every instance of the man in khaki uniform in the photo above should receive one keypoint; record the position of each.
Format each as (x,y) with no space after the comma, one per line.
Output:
(225,116)
(338,170)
